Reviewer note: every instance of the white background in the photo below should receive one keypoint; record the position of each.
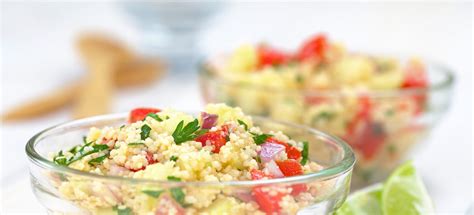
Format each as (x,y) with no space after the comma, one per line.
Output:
(38,55)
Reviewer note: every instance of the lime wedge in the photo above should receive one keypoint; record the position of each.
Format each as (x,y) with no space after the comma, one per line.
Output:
(363,202)
(404,193)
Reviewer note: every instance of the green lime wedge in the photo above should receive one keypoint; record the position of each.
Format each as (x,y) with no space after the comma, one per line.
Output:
(363,202)
(404,193)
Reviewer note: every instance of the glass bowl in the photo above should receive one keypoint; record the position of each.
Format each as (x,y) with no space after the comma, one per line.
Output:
(381,138)
(69,191)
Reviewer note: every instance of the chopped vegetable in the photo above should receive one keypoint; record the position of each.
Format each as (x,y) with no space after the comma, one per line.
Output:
(215,139)
(246,127)
(208,120)
(182,134)
(305,153)
(173,158)
(145,131)
(155,116)
(260,138)
(269,151)
(139,114)
(173,178)
(153,193)
(290,167)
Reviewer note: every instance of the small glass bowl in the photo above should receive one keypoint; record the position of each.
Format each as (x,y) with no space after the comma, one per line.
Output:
(380,144)
(69,191)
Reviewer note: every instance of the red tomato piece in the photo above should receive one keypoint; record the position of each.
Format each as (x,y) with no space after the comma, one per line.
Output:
(416,77)
(149,158)
(271,56)
(298,188)
(139,114)
(270,204)
(258,174)
(216,139)
(291,151)
(290,167)
(313,49)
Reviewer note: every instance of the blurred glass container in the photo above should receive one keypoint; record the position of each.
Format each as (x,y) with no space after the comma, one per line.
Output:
(380,144)
(170,28)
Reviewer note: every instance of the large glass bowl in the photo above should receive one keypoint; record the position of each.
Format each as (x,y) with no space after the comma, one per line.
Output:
(382,138)
(64,190)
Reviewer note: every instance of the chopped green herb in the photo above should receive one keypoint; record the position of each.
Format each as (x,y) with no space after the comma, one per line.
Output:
(98,160)
(305,153)
(178,195)
(173,158)
(153,193)
(145,133)
(60,159)
(122,126)
(185,133)
(259,160)
(389,112)
(136,144)
(323,116)
(84,139)
(260,138)
(81,153)
(299,79)
(243,124)
(201,132)
(155,116)
(124,211)
(173,178)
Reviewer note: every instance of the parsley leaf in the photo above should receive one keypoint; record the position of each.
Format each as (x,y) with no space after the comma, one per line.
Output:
(82,153)
(173,178)
(185,133)
(243,123)
(153,193)
(98,160)
(178,195)
(84,139)
(125,211)
(173,158)
(60,159)
(260,138)
(155,116)
(305,153)
(136,144)
(145,131)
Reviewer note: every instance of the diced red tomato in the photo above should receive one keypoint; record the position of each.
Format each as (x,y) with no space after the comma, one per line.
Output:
(139,114)
(216,139)
(416,77)
(363,134)
(258,174)
(298,188)
(313,49)
(149,158)
(270,204)
(269,56)
(291,151)
(290,167)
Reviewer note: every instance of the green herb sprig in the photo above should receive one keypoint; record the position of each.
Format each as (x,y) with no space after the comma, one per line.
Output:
(305,153)
(145,131)
(189,132)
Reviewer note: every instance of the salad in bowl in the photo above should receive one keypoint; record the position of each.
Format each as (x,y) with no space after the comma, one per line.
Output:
(381,105)
(219,161)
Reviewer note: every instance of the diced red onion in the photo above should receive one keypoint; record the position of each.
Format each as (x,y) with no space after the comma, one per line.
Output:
(208,120)
(269,151)
(273,169)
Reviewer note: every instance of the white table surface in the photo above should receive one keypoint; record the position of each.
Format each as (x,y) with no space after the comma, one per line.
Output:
(37,56)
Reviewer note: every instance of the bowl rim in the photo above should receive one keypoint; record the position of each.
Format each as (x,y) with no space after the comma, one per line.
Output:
(342,167)
(447,82)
